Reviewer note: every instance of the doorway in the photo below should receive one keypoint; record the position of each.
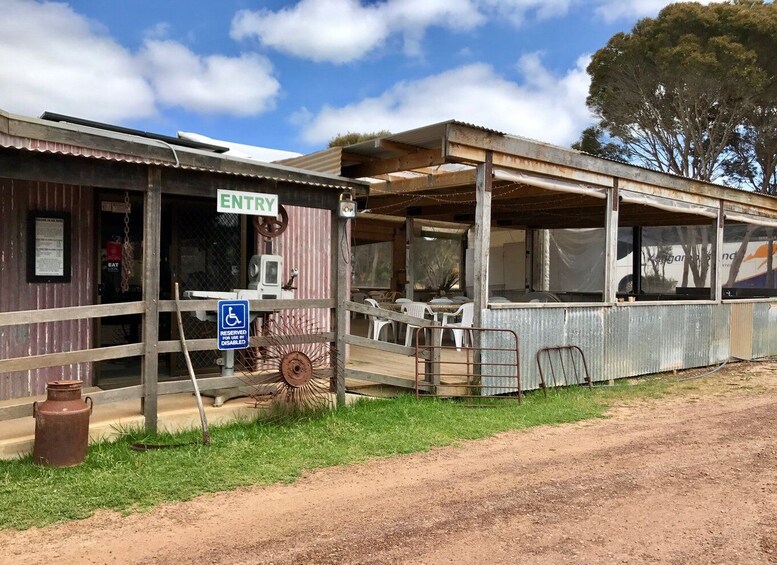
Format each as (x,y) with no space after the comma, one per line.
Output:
(119,279)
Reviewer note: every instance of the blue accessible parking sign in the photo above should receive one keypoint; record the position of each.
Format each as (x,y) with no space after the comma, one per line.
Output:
(233,324)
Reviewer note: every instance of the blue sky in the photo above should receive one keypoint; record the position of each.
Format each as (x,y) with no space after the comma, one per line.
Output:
(291,75)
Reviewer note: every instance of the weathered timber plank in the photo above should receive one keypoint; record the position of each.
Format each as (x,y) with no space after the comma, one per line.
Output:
(388,314)
(384,379)
(64,169)
(254,341)
(421,159)
(255,305)
(69,313)
(152,229)
(24,408)
(384,346)
(70,357)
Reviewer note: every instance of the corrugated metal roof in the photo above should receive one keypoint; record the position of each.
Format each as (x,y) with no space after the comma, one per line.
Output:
(31,134)
(427,137)
(326,161)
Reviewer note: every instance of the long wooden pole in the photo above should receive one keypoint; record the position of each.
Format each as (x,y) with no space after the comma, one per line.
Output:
(152,229)
(185,349)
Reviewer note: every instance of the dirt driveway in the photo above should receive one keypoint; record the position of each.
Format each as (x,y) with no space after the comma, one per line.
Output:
(683,480)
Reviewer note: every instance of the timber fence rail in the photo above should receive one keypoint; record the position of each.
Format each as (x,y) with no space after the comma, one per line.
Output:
(386,347)
(22,407)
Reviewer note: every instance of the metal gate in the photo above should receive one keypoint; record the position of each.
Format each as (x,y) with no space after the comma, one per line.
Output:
(483,370)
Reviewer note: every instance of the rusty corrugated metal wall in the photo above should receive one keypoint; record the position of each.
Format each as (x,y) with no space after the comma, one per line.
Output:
(306,246)
(17,198)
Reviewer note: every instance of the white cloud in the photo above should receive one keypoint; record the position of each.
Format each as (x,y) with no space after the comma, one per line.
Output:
(612,10)
(518,10)
(52,58)
(240,86)
(340,31)
(542,106)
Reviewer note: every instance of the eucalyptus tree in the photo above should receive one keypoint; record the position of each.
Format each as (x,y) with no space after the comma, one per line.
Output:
(694,92)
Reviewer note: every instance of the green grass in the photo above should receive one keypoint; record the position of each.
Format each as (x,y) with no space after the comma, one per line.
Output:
(264,452)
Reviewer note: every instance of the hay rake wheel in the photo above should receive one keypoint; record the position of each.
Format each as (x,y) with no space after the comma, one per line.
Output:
(294,376)
(272,226)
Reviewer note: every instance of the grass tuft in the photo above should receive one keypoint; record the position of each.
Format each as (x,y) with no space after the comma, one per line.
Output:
(278,449)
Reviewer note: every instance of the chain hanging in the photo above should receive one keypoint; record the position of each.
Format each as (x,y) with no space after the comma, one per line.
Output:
(127,252)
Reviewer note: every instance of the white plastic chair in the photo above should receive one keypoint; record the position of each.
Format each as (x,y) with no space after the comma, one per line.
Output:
(461,330)
(416,310)
(377,323)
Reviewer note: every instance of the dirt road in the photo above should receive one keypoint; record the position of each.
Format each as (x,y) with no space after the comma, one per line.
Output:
(687,480)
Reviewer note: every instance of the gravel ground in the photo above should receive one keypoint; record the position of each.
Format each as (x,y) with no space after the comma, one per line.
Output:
(690,479)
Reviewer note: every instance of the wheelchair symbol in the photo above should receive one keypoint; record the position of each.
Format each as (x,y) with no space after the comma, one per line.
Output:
(232,319)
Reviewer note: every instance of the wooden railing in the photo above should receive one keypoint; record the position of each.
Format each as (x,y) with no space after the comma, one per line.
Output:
(432,358)
(24,406)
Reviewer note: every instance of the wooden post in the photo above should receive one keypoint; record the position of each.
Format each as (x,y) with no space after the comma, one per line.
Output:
(340,272)
(611,245)
(529,260)
(432,366)
(152,228)
(636,260)
(716,272)
(398,267)
(409,273)
(482,237)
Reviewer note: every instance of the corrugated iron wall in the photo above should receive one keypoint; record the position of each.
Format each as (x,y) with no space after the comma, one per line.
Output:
(764,330)
(629,341)
(17,198)
(306,246)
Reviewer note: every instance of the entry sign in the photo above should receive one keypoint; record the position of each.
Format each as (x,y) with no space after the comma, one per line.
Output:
(233,324)
(252,203)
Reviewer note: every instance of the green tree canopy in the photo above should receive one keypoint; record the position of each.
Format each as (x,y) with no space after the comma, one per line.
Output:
(694,92)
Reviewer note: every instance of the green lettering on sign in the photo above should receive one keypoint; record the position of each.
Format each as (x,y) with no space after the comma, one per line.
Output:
(242,202)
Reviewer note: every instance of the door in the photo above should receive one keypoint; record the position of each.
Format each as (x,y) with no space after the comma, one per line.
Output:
(120,253)
(206,252)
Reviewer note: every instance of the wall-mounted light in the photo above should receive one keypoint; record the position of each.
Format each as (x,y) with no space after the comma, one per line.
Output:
(347,207)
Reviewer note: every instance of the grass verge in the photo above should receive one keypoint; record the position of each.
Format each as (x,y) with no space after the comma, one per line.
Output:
(114,477)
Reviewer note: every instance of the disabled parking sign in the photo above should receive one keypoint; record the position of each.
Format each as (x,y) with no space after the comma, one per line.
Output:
(233,324)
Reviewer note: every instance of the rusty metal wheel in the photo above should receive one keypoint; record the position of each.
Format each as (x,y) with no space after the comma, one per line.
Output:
(272,226)
(294,376)
(296,369)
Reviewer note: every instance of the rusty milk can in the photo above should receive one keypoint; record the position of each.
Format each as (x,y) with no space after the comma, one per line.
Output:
(61,425)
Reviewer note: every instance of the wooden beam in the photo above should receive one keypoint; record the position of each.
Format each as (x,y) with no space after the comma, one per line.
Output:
(340,277)
(423,183)
(68,169)
(611,245)
(464,141)
(69,313)
(384,379)
(384,346)
(210,344)
(206,184)
(409,258)
(482,238)
(255,305)
(152,229)
(30,363)
(716,268)
(424,158)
